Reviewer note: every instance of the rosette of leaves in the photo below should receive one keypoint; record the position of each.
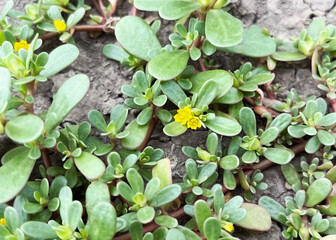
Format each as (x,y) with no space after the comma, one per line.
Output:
(300,216)
(316,123)
(326,154)
(18,224)
(112,129)
(216,221)
(245,83)
(293,103)
(259,145)
(56,23)
(149,158)
(317,37)
(144,200)
(198,179)
(199,109)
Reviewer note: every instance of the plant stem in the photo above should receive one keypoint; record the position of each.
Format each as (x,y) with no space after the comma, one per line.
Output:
(332,102)
(114,4)
(46,161)
(151,127)
(263,165)
(99,9)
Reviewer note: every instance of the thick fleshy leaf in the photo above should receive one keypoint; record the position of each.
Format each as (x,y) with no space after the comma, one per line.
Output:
(288,56)
(290,174)
(145,214)
(206,94)
(326,138)
(255,44)
(202,213)
(296,131)
(115,52)
(95,193)
(162,170)
(176,9)
(327,120)
(331,175)
(222,78)
(168,65)
(75,211)
(25,128)
(166,221)
(222,29)
(149,5)
(38,230)
(90,166)
(15,173)
(312,145)
(317,191)
(67,97)
(273,208)
(248,121)
(269,135)
(229,180)
(231,97)
(128,31)
(224,126)
(135,180)
(254,212)
(278,155)
(59,59)
(212,228)
(173,91)
(174,129)
(281,122)
(329,209)
(166,195)
(136,136)
(229,162)
(102,222)
(175,234)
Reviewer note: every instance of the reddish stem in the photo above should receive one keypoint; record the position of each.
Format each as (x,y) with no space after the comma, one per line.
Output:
(332,103)
(114,4)
(134,11)
(99,9)
(46,161)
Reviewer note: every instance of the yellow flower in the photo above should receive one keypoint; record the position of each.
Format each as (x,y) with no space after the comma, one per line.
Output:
(22,44)
(194,123)
(2,221)
(60,25)
(183,115)
(227,226)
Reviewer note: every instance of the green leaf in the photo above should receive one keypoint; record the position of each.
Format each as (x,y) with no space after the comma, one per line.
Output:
(97,120)
(102,222)
(67,97)
(168,65)
(288,56)
(136,136)
(325,138)
(312,145)
(231,97)
(224,126)
(255,43)
(136,230)
(189,234)
(254,212)
(290,174)
(315,27)
(115,52)
(327,120)
(195,53)
(25,128)
(127,33)
(38,230)
(269,135)
(176,9)
(5,85)
(75,211)
(273,207)
(162,170)
(166,195)
(125,191)
(135,180)
(90,166)
(173,91)
(95,193)
(229,162)
(206,94)
(149,5)
(317,191)
(278,155)
(212,143)
(175,234)
(202,213)
(331,175)
(145,214)
(32,208)
(144,116)
(222,78)
(229,180)
(222,29)
(212,228)
(174,129)
(296,131)
(166,221)
(281,122)
(248,121)
(15,173)
(59,59)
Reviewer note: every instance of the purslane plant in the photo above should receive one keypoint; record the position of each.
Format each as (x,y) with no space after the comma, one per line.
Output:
(107,183)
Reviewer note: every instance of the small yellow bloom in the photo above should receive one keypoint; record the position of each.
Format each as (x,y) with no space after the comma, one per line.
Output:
(22,44)
(183,115)
(2,221)
(227,226)
(60,25)
(194,123)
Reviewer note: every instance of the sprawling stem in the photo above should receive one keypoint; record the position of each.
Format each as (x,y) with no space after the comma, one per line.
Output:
(151,127)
